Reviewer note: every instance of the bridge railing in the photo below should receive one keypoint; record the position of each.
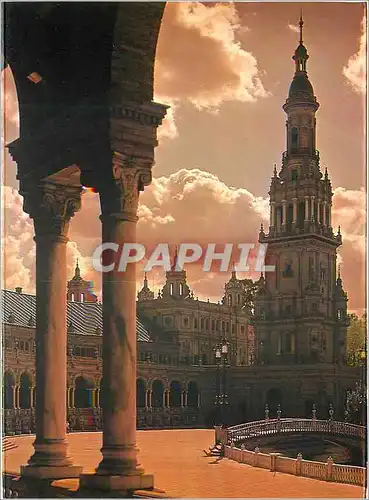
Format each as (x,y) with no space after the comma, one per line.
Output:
(328,471)
(242,432)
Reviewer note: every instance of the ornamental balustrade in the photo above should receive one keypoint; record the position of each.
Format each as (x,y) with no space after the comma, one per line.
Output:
(19,421)
(242,432)
(328,471)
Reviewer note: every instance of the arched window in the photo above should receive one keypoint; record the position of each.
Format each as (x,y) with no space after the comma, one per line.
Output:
(207,324)
(180,289)
(141,393)
(8,393)
(230,300)
(25,391)
(171,288)
(195,323)
(202,323)
(82,297)
(175,394)
(294,138)
(72,297)
(83,393)
(238,299)
(192,395)
(157,394)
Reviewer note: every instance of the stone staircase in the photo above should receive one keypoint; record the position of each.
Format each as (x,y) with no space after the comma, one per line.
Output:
(8,443)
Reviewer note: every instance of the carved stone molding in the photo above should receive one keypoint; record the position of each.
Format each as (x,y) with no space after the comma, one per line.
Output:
(51,206)
(130,176)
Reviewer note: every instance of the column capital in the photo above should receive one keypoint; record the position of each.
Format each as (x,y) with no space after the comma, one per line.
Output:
(51,206)
(119,199)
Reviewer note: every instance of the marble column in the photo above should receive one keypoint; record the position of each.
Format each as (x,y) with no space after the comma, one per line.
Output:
(150,399)
(312,200)
(284,213)
(146,399)
(306,208)
(51,207)
(319,221)
(272,214)
(119,468)
(31,401)
(16,396)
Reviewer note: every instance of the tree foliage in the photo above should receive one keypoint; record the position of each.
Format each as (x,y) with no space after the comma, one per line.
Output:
(356,339)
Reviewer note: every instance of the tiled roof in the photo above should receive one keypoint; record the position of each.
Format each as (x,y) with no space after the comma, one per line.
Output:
(86,317)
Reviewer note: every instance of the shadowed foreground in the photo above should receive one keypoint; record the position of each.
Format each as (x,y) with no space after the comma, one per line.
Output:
(176,458)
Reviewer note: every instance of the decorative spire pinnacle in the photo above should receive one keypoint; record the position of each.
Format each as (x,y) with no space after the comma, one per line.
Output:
(145,281)
(301,24)
(175,260)
(234,276)
(275,170)
(326,174)
(77,271)
(339,271)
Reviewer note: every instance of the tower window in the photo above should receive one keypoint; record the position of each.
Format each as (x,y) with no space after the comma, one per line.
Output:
(72,297)
(230,300)
(82,297)
(171,289)
(294,175)
(294,138)
(180,289)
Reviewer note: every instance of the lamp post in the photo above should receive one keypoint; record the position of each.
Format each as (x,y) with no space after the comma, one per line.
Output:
(218,357)
(224,395)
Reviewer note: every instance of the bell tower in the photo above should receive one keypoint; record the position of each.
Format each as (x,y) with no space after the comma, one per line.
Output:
(297,319)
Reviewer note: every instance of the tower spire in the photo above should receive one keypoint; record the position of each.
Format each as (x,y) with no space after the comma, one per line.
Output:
(77,271)
(301,24)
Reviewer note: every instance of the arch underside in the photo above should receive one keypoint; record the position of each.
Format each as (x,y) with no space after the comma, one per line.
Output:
(88,58)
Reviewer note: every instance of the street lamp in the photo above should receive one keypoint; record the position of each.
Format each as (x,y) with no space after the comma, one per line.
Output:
(224,395)
(218,357)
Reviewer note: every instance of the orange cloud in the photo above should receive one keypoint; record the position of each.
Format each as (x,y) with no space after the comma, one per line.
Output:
(189,206)
(355,71)
(200,61)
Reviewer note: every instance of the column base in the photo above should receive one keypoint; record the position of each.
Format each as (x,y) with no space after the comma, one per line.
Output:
(50,472)
(118,484)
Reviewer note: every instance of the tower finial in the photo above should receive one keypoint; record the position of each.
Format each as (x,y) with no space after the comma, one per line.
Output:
(301,24)
(77,271)
(234,276)
(339,271)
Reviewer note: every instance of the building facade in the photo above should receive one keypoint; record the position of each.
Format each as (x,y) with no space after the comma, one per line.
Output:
(286,333)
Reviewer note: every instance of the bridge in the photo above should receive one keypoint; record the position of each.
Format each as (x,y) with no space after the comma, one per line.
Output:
(238,443)
(271,427)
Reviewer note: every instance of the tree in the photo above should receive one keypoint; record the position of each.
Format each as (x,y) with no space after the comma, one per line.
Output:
(356,339)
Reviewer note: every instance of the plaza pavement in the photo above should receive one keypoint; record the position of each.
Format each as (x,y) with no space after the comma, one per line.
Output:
(177,460)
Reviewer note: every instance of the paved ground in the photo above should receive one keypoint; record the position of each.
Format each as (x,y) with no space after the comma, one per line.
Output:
(182,470)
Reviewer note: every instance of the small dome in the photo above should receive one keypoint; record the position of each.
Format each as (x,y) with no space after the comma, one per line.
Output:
(301,52)
(301,86)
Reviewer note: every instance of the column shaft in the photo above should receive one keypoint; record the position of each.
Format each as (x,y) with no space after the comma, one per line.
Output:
(306,208)
(312,209)
(294,210)
(51,206)
(284,212)
(119,356)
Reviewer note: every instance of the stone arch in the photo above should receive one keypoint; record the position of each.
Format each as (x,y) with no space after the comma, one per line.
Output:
(175,391)
(141,392)
(25,388)
(9,384)
(83,392)
(192,394)
(157,399)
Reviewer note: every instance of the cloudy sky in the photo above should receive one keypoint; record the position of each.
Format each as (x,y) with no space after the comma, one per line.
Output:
(225,70)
